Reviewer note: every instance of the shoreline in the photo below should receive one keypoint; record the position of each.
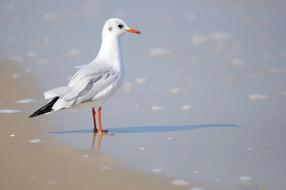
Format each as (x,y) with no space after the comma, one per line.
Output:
(32,160)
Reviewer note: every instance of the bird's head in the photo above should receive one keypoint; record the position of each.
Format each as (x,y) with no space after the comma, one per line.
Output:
(117,27)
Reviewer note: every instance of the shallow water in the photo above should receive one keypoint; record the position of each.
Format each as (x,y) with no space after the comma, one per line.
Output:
(204,96)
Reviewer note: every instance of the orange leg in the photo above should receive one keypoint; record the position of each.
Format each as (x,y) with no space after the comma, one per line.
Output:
(99,121)
(94,120)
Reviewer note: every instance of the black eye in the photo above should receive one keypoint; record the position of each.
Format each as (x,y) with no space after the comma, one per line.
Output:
(120,26)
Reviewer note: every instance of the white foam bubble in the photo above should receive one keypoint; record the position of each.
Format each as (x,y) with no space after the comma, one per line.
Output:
(12,135)
(199,39)
(52,182)
(9,111)
(105,168)
(35,141)
(73,52)
(197,172)
(32,54)
(180,182)
(42,61)
(221,36)
(197,188)
(156,170)
(238,62)
(142,148)
(249,148)
(155,53)
(217,179)
(257,97)
(15,58)
(185,107)
(170,138)
(156,108)
(25,101)
(247,180)
(85,156)
(141,80)
(16,75)
(175,91)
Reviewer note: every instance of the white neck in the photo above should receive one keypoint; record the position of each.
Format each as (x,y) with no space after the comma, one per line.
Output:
(110,48)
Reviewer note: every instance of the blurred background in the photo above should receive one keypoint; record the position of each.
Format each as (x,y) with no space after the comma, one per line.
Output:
(210,62)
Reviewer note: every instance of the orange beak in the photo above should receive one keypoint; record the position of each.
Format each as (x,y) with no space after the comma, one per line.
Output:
(133,30)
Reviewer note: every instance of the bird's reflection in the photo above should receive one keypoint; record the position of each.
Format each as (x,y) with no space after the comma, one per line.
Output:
(97,140)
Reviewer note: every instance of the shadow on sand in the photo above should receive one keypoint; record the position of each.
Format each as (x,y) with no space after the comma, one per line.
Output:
(97,139)
(149,129)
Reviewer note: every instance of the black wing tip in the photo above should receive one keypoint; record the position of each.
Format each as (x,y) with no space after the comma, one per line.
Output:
(33,115)
(45,109)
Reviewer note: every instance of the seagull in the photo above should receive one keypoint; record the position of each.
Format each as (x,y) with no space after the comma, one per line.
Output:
(94,83)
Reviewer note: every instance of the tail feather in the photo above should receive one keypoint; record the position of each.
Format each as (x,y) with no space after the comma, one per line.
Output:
(45,109)
(60,91)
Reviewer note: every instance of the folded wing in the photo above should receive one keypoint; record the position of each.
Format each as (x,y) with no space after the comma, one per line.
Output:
(88,84)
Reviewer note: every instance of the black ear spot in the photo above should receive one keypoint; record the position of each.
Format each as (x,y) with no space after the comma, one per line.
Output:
(110,28)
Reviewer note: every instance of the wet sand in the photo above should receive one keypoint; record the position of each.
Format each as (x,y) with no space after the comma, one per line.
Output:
(30,159)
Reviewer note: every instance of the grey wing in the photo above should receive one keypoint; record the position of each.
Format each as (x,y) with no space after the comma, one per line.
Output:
(96,88)
(86,85)
(88,71)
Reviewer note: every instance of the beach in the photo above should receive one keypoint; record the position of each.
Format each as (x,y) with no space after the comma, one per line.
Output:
(202,105)
(31,159)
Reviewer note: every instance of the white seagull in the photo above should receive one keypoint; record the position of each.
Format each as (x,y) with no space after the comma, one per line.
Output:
(94,83)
